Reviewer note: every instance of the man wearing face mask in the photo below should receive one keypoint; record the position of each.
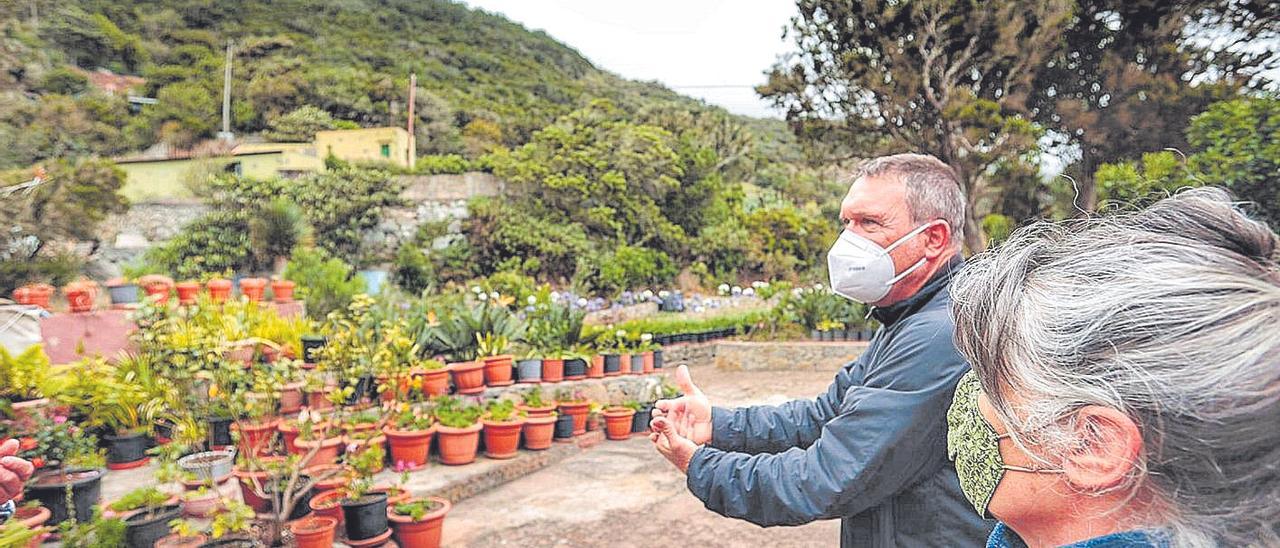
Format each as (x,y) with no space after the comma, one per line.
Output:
(871,450)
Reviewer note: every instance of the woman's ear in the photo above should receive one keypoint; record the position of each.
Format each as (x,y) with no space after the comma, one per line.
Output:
(1111,446)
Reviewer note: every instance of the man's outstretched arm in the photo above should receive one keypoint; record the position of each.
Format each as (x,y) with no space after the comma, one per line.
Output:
(777,428)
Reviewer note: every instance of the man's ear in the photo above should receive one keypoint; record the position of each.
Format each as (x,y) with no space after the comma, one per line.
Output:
(938,240)
(1109,451)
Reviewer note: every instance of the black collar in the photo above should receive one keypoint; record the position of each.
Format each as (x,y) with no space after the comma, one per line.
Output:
(889,315)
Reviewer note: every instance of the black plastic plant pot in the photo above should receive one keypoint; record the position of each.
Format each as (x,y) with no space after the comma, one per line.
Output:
(564,427)
(311,345)
(612,363)
(143,529)
(657,359)
(640,420)
(370,387)
(575,368)
(528,370)
(126,449)
(637,363)
(363,385)
(163,430)
(220,431)
(365,517)
(51,490)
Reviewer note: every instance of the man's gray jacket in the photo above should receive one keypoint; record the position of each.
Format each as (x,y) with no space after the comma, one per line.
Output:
(871,450)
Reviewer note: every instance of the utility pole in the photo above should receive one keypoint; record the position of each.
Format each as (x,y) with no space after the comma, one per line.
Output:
(413,141)
(226,134)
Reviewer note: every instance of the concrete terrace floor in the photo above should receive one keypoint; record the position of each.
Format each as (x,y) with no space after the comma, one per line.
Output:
(625,494)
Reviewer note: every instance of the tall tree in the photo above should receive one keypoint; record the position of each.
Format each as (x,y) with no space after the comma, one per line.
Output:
(1130,74)
(952,78)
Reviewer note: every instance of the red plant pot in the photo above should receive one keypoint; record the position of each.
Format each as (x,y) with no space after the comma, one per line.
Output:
(314,531)
(424,533)
(178,541)
(319,401)
(80,296)
(468,377)
(248,494)
(253,288)
(328,453)
(617,422)
(502,439)
(552,370)
(328,504)
(219,290)
(187,292)
(409,447)
(458,445)
(34,295)
(290,397)
(290,431)
(538,432)
(625,368)
(282,291)
(596,369)
(577,410)
(256,437)
(497,370)
(648,361)
(532,412)
(435,382)
(156,286)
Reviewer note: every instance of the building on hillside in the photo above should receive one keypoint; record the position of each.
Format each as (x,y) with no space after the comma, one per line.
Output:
(163,173)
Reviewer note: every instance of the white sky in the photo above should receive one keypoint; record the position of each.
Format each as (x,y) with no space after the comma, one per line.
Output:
(687,45)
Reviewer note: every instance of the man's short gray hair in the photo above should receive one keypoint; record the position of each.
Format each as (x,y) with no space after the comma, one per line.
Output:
(933,191)
(1170,315)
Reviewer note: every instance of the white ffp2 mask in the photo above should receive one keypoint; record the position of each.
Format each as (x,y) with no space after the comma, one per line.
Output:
(863,271)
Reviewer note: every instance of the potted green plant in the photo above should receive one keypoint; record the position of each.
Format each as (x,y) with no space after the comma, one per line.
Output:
(575,405)
(73,464)
(533,405)
(409,436)
(314,531)
(200,503)
(458,431)
(149,521)
(502,426)
(22,381)
(185,534)
(497,363)
(419,523)
(435,377)
(529,368)
(137,500)
(364,511)
(233,525)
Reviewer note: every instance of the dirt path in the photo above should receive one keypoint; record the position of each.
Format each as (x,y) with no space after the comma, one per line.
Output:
(625,494)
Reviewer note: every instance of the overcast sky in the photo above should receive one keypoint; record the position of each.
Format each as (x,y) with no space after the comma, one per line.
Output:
(712,49)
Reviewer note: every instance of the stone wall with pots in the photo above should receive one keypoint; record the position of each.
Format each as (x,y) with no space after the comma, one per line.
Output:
(784,356)
(430,198)
(675,355)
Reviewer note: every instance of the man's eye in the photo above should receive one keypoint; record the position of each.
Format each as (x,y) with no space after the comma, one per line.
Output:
(844,221)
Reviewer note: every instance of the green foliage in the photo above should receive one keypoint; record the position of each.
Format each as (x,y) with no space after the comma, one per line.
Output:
(413,270)
(299,125)
(64,81)
(96,533)
(22,377)
(997,227)
(216,242)
(326,283)
(533,398)
(634,266)
(416,510)
(436,164)
(1126,184)
(501,410)
(276,230)
(456,413)
(143,497)
(1238,146)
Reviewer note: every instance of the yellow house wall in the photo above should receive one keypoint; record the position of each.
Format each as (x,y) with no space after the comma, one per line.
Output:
(364,145)
(170,179)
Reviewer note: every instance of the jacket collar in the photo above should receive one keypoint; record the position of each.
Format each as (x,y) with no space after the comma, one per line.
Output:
(889,315)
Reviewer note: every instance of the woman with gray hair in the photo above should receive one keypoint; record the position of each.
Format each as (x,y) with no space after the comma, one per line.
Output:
(1127,387)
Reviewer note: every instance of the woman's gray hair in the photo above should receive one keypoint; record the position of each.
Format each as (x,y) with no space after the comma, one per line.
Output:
(1170,314)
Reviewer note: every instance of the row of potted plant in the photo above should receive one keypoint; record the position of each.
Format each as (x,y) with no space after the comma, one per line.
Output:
(81,295)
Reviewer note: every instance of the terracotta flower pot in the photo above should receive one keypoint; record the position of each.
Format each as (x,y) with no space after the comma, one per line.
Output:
(253,288)
(596,369)
(157,286)
(502,439)
(219,290)
(617,422)
(34,295)
(328,504)
(314,531)
(282,291)
(290,431)
(319,400)
(497,370)
(648,361)
(468,377)
(531,412)
(250,495)
(424,533)
(201,506)
(80,295)
(328,453)
(458,445)
(256,437)
(187,292)
(435,382)
(32,517)
(409,447)
(577,410)
(538,432)
(552,370)
(395,495)
(291,398)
